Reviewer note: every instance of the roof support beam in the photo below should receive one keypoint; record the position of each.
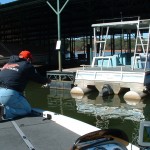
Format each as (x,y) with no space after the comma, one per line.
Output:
(58,28)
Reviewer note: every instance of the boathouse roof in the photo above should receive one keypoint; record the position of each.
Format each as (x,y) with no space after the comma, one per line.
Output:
(32,24)
(28,18)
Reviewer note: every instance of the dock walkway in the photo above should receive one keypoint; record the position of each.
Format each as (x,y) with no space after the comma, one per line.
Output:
(62,79)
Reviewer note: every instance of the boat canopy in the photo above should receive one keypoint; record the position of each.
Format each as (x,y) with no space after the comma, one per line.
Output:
(124,24)
(125,29)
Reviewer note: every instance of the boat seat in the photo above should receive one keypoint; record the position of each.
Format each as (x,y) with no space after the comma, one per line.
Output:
(143,59)
(102,61)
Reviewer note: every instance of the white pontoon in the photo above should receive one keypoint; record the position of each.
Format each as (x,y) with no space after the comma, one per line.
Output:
(127,69)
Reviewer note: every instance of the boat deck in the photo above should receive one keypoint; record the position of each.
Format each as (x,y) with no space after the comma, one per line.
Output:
(35,133)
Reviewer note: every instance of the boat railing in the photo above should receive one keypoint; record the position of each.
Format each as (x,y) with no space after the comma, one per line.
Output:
(141,62)
(97,67)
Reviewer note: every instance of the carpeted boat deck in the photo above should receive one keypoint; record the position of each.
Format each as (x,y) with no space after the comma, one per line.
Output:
(34,132)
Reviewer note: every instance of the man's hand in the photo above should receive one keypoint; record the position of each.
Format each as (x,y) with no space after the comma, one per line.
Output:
(47,85)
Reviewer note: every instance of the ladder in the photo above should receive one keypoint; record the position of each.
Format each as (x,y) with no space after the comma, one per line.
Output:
(143,43)
(101,42)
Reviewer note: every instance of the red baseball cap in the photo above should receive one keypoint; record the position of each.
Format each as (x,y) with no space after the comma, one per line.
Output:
(25,54)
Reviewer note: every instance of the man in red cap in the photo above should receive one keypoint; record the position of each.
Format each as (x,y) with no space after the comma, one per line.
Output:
(25,54)
(14,77)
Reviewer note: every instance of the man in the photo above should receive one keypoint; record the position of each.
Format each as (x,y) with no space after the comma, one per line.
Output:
(14,77)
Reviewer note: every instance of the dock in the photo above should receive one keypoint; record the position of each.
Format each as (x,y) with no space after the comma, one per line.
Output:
(62,79)
(112,73)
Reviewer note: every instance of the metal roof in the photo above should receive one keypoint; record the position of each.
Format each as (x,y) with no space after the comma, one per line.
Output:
(33,24)
(76,18)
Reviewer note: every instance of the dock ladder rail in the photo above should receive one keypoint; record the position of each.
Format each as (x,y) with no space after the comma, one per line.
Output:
(98,33)
(143,42)
(101,41)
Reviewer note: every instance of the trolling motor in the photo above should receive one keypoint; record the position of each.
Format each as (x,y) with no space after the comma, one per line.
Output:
(107,139)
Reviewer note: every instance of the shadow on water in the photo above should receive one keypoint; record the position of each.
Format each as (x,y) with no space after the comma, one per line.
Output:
(103,112)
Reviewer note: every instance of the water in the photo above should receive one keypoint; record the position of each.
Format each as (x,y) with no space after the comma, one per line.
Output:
(108,112)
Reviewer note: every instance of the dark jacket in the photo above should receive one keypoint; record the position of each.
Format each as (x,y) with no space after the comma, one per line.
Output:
(17,72)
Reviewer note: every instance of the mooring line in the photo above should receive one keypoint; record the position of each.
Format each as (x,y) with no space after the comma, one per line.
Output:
(23,136)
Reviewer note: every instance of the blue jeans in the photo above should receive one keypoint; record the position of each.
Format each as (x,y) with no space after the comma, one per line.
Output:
(15,104)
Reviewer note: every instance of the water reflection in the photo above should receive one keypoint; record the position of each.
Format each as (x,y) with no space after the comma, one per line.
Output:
(108,107)
(108,111)
(61,100)
(112,106)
